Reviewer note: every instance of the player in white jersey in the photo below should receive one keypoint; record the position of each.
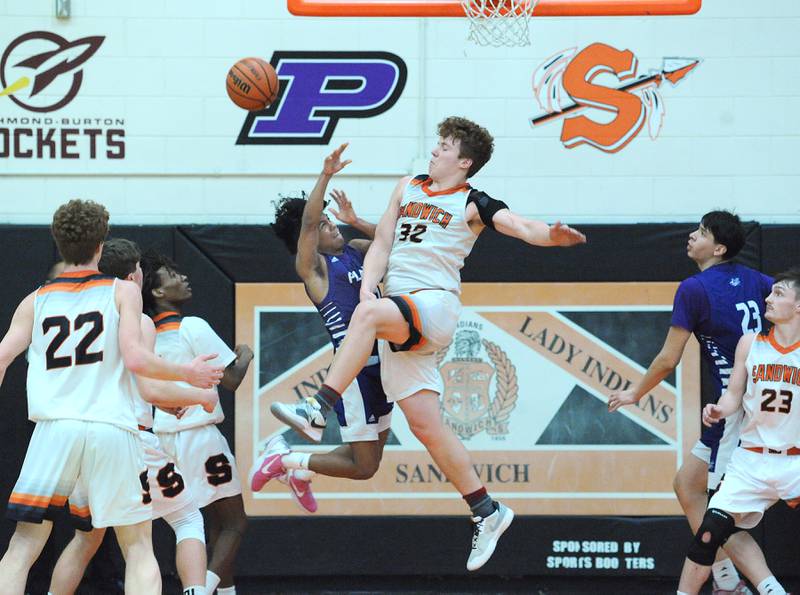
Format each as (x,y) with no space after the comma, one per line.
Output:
(83,330)
(765,467)
(428,229)
(171,498)
(194,441)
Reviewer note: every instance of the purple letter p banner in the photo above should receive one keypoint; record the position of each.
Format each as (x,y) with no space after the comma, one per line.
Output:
(319,88)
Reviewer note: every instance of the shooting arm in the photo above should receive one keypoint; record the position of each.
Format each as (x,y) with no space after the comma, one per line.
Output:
(537,233)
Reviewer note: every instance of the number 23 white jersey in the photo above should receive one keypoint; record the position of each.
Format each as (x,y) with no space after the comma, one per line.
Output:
(75,367)
(772,400)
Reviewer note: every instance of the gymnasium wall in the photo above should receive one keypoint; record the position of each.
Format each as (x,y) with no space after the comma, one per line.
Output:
(218,257)
(152,103)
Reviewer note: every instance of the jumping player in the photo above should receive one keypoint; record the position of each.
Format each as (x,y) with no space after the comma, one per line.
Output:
(765,467)
(171,499)
(331,271)
(719,304)
(428,229)
(83,329)
(194,441)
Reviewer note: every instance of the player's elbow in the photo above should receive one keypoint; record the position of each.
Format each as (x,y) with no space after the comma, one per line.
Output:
(147,390)
(668,361)
(133,361)
(232,378)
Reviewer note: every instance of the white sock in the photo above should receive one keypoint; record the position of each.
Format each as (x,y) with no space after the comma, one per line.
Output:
(725,574)
(770,586)
(212,580)
(227,590)
(195,590)
(296,460)
(303,474)
(682,593)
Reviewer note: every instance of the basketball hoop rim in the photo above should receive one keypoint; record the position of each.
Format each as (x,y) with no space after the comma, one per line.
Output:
(452,8)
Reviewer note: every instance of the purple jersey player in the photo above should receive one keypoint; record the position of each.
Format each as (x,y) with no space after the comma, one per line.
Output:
(719,304)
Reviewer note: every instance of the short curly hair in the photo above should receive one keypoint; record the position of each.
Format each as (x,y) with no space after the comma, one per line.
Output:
(476,142)
(78,228)
(119,257)
(289,219)
(151,262)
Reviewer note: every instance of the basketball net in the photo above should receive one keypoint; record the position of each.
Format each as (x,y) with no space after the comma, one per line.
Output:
(499,22)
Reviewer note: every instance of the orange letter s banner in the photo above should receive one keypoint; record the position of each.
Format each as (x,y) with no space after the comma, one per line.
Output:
(596,59)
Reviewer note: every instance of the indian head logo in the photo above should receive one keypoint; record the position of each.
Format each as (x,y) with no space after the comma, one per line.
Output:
(41,71)
(466,405)
(574,84)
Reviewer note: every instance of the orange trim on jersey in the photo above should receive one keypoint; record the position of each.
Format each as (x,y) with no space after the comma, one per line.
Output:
(416,321)
(169,326)
(75,287)
(164,315)
(81,273)
(780,348)
(37,501)
(81,511)
(427,190)
(416,182)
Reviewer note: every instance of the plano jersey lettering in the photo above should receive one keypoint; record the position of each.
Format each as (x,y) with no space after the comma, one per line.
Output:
(772,399)
(431,239)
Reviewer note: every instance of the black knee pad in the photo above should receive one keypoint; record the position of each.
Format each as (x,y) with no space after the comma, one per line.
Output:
(719,525)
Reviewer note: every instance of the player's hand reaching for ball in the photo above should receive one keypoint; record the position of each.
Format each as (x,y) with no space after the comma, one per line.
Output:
(564,235)
(201,374)
(333,163)
(620,399)
(346,214)
(711,414)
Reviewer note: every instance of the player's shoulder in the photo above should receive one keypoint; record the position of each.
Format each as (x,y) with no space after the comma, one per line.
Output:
(746,341)
(194,325)
(692,284)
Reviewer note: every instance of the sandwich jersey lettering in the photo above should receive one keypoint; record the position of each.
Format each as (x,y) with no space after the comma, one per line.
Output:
(773,384)
(431,239)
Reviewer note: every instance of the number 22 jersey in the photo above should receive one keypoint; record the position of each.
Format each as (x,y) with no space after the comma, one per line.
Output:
(75,367)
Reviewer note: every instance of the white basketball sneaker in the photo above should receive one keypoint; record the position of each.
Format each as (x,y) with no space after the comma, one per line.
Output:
(305,417)
(485,534)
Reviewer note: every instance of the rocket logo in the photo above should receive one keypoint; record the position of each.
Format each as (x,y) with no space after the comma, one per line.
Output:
(569,85)
(41,71)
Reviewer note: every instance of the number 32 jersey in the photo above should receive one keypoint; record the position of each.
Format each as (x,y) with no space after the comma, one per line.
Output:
(431,239)
(772,418)
(75,368)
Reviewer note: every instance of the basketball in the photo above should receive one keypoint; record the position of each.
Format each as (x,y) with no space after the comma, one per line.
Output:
(252,84)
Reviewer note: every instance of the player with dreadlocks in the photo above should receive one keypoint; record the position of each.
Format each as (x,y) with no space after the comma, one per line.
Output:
(331,271)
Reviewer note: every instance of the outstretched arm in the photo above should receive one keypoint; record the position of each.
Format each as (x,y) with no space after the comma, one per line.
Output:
(661,367)
(18,336)
(308,259)
(377,259)
(731,400)
(537,233)
(347,215)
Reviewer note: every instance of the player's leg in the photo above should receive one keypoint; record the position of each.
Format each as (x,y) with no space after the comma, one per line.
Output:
(24,548)
(190,548)
(71,564)
(491,518)
(227,524)
(142,574)
(373,319)
(48,475)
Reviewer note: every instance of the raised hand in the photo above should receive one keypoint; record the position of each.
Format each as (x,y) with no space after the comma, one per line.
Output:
(564,235)
(346,214)
(333,163)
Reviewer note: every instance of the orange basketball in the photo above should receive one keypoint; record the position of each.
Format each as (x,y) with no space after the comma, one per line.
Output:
(252,84)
